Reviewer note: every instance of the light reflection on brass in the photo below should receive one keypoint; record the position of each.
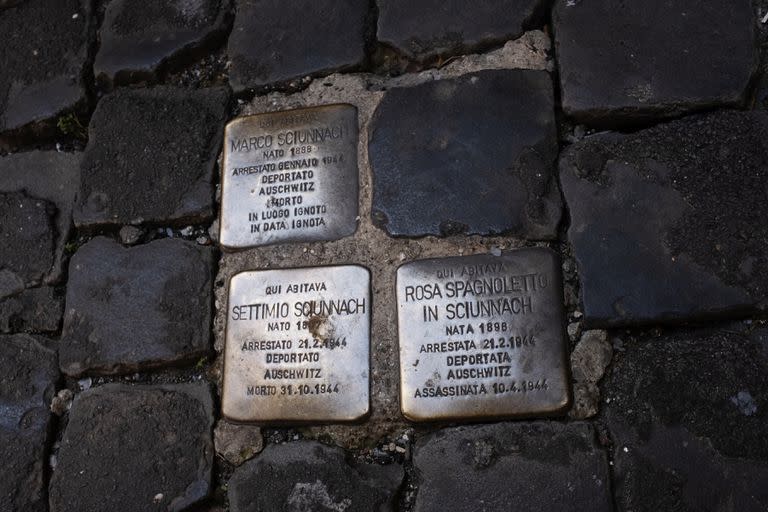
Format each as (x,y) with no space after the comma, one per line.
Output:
(289,176)
(482,337)
(297,345)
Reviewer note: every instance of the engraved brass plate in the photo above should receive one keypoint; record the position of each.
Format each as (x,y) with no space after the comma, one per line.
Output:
(297,345)
(290,176)
(482,337)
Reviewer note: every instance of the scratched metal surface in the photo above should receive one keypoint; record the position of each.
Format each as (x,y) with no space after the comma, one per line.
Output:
(297,345)
(482,337)
(290,176)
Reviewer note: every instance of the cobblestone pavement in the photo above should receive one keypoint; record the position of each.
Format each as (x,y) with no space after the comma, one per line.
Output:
(629,138)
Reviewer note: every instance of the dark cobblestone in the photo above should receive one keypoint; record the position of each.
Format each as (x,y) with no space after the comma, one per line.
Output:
(632,62)
(668,224)
(306,475)
(138,39)
(274,41)
(506,466)
(135,448)
(52,177)
(136,308)
(43,56)
(430,28)
(28,374)
(688,414)
(471,155)
(163,143)
(26,237)
(31,310)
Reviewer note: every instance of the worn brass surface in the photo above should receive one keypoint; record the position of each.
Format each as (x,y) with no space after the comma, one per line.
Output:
(290,176)
(482,337)
(297,345)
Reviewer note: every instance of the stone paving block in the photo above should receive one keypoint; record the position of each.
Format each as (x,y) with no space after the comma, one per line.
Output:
(28,375)
(26,236)
(150,157)
(474,155)
(427,29)
(668,224)
(145,448)
(688,414)
(138,39)
(512,466)
(275,41)
(652,59)
(33,309)
(49,176)
(132,309)
(43,55)
(307,475)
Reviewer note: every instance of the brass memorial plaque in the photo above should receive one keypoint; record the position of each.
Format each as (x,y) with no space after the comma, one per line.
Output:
(297,345)
(482,337)
(290,176)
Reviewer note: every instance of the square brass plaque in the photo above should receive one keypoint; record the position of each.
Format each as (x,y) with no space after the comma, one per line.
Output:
(482,337)
(290,176)
(297,345)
